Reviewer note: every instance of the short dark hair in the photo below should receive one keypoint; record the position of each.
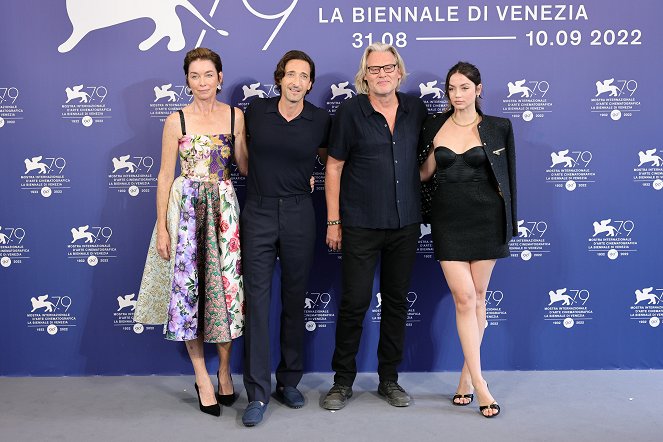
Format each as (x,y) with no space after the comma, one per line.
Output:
(468,70)
(202,54)
(279,73)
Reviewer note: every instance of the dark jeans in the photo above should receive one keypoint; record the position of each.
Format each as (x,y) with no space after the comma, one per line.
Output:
(271,227)
(360,250)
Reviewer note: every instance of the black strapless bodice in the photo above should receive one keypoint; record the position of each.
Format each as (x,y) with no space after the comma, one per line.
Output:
(470,166)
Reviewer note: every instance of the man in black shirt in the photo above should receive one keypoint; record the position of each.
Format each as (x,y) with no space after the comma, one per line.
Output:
(372,191)
(284,135)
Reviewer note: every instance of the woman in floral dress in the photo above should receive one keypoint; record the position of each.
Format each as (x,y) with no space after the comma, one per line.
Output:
(192,281)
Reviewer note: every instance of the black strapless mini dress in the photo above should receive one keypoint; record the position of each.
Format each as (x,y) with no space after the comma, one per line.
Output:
(467,221)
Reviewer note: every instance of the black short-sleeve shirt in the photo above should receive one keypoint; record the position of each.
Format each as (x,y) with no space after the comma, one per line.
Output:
(380,179)
(282,153)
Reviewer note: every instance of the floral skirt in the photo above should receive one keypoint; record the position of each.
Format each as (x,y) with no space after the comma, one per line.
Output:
(199,291)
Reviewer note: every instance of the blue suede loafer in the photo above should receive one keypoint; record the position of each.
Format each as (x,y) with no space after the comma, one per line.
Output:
(290,396)
(253,414)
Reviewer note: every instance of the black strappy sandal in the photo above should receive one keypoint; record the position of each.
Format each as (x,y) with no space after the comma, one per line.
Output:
(469,396)
(493,406)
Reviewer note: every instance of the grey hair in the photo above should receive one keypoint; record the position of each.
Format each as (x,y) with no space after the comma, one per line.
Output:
(360,84)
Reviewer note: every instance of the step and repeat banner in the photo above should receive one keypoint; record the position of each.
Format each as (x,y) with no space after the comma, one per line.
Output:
(86,85)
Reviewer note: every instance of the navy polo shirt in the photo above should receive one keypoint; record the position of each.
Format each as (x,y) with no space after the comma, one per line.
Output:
(282,153)
(380,179)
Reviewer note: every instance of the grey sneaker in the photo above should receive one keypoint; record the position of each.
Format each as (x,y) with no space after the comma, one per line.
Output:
(337,397)
(394,393)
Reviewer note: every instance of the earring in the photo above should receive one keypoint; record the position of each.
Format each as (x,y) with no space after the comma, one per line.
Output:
(218,87)
(187,90)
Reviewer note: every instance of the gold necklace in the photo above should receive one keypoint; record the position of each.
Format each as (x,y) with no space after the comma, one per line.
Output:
(453,117)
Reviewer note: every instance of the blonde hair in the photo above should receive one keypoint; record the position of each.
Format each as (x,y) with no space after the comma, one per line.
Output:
(360,84)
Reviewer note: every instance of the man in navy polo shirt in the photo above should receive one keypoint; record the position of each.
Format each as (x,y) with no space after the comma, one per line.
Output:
(372,192)
(284,135)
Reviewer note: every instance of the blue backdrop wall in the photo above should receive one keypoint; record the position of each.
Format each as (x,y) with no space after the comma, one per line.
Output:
(85,87)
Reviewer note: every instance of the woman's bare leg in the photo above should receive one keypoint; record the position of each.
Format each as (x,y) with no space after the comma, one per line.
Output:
(226,383)
(470,317)
(197,355)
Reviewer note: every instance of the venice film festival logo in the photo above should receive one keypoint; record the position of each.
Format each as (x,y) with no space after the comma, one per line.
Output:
(10,112)
(131,174)
(615,98)
(253,90)
(649,171)
(425,244)
(44,175)
(317,313)
(86,104)
(319,174)
(50,314)
(90,15)
(433,95)
(569,169)
(648,306)
(12,249)
(530,241)
(495,314)
(91,245)
(339,93)
(123,317)
(568,307)
(527,99)
(612,238)
(413,315)
(168,98)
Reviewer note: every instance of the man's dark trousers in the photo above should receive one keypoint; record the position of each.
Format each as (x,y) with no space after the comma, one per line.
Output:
(361,249)
(271,227)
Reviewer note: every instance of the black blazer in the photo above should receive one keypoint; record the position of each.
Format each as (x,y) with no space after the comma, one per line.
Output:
(497,138)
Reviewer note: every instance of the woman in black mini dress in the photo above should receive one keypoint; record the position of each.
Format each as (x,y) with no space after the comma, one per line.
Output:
(469,197)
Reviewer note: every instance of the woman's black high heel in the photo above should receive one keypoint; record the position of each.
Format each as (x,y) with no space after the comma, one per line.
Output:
(494,406)
(214,410)
(225,399)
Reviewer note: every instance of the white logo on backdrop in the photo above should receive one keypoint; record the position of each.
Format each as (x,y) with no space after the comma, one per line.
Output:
(342,89)
(604,227)
(649,157)
(561,157)
(90,15)
(429,88)
(81,233)
(646,295)
(75,92)
(517,87)
(424,230)
(606,86)
(122,163)
(253,91)
(34,163)
(411,298)
(615,99)
(41,302)
(87,16)
(12,249)
(163,92)
(530,242)
(559,296)
(523,232)
(316,310)
(126,301)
